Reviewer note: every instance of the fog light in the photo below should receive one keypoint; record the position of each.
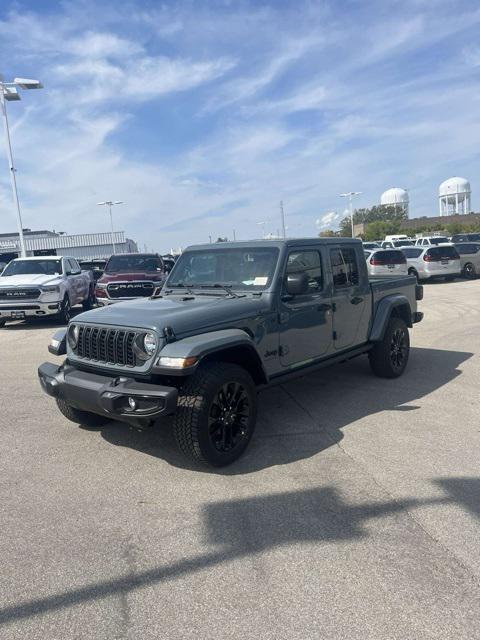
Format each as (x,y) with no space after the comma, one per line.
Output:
(132,403)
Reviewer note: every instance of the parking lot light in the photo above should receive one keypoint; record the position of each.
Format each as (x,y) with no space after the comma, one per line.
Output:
(9,93)
(110,204)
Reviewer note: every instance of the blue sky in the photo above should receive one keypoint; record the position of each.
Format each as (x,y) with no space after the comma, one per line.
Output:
(202,116)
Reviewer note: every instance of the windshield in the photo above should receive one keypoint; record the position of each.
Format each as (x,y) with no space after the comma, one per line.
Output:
(403,243)
(246,269)
(438,240)
(33,267)
(127,264)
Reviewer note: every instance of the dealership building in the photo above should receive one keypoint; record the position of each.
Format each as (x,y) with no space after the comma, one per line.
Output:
(87,246)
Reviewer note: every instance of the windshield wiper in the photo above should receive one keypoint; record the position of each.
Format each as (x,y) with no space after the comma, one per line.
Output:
(225,287)
(180,285)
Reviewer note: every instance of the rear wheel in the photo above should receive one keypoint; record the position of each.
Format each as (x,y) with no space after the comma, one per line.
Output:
(81,417)
(469,271)
(389,358)
(216,414)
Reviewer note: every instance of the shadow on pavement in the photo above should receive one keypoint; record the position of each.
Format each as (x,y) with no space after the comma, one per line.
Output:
(306,416)
(244,527)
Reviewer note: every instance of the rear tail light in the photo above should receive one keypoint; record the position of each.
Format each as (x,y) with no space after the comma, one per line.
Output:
(428,258)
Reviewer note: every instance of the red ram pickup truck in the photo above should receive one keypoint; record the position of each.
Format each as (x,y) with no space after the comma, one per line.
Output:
(130,275)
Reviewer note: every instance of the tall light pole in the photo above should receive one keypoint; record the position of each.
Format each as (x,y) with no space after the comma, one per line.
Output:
(110,204)
(9,92)
(350,195)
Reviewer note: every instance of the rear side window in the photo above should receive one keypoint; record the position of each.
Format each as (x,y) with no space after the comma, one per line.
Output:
(344,267)
(441,253)
(390,257)
(309,262)
(467,249)
(411,253)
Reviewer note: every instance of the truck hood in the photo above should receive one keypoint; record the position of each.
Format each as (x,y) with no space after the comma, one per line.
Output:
(108,278)
(29,280)
(182,313)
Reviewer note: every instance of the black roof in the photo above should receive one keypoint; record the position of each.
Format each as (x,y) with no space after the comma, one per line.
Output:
(289,242)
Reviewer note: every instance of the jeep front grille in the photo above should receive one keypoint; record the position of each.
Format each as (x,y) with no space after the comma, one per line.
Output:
(107,346)
(130,289)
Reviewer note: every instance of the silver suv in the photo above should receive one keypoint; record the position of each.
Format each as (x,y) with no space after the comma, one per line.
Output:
(433,262)
(469,258)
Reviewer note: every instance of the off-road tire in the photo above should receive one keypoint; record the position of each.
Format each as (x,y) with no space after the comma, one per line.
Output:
(384,358)
(81,417)
(89,303)
(197,401)
(65,313)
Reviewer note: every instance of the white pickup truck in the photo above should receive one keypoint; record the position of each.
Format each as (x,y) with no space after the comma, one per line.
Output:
(44,286)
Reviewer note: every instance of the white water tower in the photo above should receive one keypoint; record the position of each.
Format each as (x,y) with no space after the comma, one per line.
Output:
(396,198)
(454,196)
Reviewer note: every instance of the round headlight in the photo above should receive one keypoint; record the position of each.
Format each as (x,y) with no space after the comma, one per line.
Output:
(150,343)
(73,332)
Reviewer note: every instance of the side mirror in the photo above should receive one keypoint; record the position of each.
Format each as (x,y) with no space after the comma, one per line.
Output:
(297,283)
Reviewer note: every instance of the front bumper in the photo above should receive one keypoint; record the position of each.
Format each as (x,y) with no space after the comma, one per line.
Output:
(107,395)
(16,310)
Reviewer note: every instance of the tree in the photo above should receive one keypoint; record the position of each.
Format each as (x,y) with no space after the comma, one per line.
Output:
(379,229)
(377,213)
(328,233)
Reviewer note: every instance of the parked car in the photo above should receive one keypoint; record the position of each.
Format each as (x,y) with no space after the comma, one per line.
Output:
(465,237)
(130,275)
(386,262)
(433,262)
(44,286)
(231,319)
(469,258)
(97,267)
(397,244)
(429,241)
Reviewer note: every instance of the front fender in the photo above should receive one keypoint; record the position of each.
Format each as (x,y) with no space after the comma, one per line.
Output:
(205,344)
(383,312)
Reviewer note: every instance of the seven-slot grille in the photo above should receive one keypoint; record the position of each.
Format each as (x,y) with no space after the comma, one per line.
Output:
(130,289)
(28,293)
(111,346)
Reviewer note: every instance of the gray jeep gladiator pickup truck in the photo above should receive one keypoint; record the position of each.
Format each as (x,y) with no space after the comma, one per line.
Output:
(231,319)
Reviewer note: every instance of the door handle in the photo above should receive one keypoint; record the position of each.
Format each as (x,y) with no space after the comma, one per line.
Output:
(356,300)
(324,307)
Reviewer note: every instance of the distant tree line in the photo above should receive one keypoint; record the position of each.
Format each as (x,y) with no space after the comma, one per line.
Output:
(383,220)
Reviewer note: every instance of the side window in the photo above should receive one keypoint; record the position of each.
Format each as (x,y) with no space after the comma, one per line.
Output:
(75,265)
(344,267)
(309,262)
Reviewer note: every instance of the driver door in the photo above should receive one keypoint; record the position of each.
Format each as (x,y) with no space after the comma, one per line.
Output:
(305,320)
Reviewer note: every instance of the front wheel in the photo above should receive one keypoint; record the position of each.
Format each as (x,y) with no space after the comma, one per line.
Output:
(81,417)
(65,311)
(389,358)
(216,414)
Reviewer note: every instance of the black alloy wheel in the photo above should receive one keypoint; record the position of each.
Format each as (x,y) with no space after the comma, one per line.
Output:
(216,413)
(229,417)
(66,311)
(389,357)
(398,349)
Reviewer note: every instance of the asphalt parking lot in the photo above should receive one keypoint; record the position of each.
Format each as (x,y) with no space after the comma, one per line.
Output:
(354,514)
